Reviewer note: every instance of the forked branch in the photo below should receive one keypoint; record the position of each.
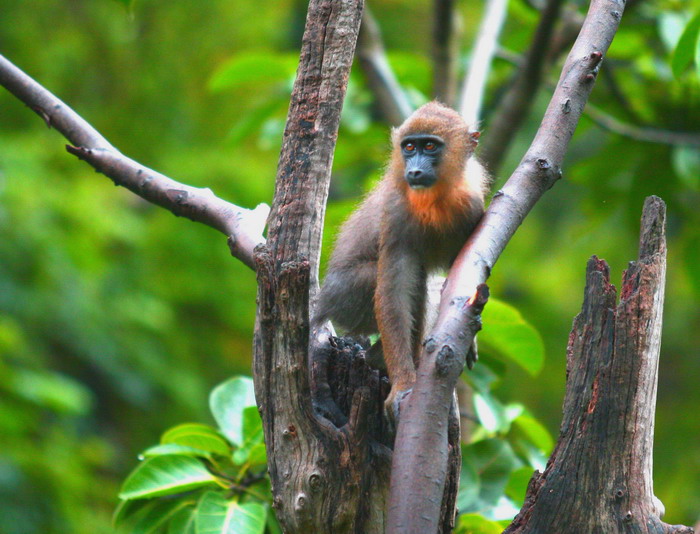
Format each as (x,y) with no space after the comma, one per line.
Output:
(411,508)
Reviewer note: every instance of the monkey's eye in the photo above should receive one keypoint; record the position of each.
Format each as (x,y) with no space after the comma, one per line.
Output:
(430,146)
(409,147)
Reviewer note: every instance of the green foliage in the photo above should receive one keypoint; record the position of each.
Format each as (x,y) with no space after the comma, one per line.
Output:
(688,48)
(116,318)
(508,443)
(507,333)
(197,481)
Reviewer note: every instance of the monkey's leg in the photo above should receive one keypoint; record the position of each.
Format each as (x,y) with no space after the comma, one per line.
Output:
(398,282)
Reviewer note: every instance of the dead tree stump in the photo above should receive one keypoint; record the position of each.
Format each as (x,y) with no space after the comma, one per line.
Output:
(599,477)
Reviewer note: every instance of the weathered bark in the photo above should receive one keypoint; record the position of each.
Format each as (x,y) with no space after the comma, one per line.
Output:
(599,477)
(328,459)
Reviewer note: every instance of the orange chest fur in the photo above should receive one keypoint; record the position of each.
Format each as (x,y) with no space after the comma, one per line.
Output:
(438,207)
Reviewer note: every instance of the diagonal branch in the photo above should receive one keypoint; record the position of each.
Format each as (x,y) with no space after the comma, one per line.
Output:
(446,37)
(242,226)
(482,56)
(425,412)
(516,104)
(391,99)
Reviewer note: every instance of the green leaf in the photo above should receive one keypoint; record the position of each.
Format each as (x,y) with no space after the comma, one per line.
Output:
(671,25)
(493,416)
(153,516)
(261,68)
(197,436)
(256,117)
(481,377)
(165,475)
(257,457)
(493,460)
(477,524)
(469,487)
(506,332)
(273,526)
(252,435)
(126,510)
(174,448)
(183,522)
(533,455)
(52,390)
(216,515)
(490,412)
(686,47)
(536,432)
(686,164)
(227,403)
(517,484)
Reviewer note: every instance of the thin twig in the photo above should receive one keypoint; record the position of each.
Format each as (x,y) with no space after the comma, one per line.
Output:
(484,50)
(446,37)
(391,99)
(516,104)
(640,133)
(242,226)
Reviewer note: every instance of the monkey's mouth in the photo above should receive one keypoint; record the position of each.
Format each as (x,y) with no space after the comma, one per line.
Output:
(422,183)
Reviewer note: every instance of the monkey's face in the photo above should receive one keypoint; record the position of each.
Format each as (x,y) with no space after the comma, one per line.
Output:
(421,155)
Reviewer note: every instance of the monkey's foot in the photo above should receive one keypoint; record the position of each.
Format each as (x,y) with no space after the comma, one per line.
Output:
(392,407)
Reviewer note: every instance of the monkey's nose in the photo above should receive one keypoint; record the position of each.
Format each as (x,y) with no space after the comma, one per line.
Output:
(414,174)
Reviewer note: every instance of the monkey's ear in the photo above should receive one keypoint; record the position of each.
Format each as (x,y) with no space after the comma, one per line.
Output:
(474,138)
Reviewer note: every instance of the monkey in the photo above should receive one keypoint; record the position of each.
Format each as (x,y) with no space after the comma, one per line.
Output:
(414,222)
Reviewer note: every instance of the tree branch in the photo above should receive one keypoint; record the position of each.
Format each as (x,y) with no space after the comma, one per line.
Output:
(391,99)
(482,56)
(413,509)
(243,227)
(640,133)
(446,37)
(516,104)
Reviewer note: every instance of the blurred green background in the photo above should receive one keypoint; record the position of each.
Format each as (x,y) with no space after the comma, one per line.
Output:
(116,318)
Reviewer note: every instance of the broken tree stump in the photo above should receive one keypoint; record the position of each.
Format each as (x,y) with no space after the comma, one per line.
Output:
(599,477)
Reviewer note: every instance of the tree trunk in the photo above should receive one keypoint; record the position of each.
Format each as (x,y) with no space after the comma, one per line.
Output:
(329,456)
(599,477)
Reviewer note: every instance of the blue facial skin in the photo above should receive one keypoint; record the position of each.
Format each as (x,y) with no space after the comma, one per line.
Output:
(421,155)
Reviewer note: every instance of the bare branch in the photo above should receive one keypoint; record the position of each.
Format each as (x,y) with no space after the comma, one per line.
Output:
(412,509)
(640,133)
(447,29)
(243,227)
(518,100)
(482,56)
(391,99)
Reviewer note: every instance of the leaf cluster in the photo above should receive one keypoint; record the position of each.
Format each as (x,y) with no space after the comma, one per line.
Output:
(204,480)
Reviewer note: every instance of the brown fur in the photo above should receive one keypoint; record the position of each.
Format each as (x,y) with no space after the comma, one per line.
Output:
(376,279)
